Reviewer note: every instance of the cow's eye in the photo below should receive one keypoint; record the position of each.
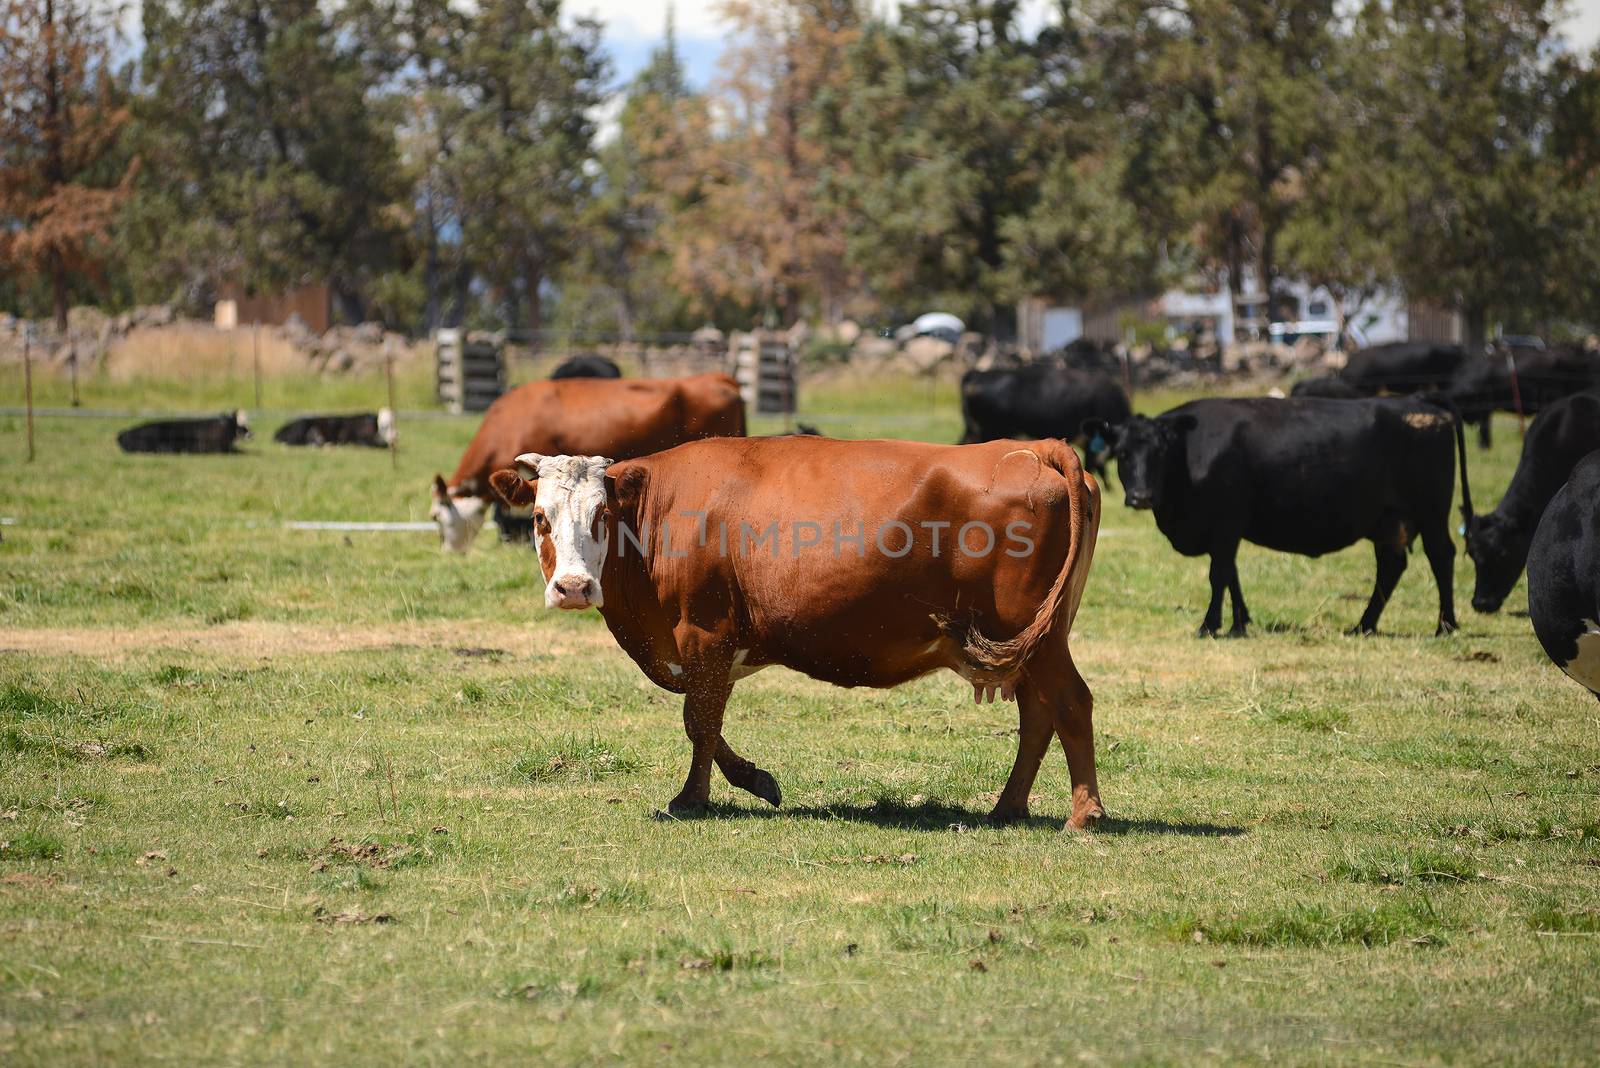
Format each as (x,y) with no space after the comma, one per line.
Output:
(540,523)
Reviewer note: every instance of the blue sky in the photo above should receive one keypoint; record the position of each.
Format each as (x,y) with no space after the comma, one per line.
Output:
(634,27)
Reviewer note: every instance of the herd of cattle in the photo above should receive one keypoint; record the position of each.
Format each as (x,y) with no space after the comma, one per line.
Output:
(868,563)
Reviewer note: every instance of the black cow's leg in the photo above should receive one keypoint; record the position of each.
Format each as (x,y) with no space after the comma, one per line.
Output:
(1442,558)
(1391,565)
(1241,614)
(703,704)
(1483,430)
(746,776)
(1223,572)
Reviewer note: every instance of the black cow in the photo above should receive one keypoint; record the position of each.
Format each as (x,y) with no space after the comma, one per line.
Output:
(1300,475)
(587,365)
(1041,401)
(216,434)
(1543,376)
(1331,387)
(1564,576)
(1403,367)
(1561,435)
(365,428)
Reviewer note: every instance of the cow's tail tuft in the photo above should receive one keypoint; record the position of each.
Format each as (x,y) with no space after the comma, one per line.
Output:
(996,663)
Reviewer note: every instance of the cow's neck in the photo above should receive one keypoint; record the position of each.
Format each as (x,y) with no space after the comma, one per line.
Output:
(632,611)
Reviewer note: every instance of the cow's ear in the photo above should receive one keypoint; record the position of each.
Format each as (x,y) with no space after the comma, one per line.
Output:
(441,492)
(512,488)
(624,486)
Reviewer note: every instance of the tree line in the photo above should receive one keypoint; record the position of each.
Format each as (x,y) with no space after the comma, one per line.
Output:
(436,163)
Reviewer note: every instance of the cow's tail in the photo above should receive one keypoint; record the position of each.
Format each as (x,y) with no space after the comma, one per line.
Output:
(998,663)
(1445,401)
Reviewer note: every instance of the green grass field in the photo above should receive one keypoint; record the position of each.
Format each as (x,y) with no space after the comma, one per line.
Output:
(269,796)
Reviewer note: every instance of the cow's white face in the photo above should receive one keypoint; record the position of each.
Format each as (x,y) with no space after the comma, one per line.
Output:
(570,526)
(459,518)
(386,425)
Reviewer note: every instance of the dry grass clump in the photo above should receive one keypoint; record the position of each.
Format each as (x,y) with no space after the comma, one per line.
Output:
(185,350)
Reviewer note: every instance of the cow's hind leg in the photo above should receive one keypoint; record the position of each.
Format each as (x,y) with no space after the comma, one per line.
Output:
(1037,724)
(746,776)
(1391,554)
(1075,726)
(1224,575)
(1442,558)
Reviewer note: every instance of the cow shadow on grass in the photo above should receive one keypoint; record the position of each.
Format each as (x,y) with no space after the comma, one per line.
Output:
(938,816)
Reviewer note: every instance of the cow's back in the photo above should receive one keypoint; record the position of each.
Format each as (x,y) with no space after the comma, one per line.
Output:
(616,418)
(1564,576)
(826,550)
(1303,474)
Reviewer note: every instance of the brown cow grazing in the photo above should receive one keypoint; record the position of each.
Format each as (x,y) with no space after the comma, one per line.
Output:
(621,418)
(861,563)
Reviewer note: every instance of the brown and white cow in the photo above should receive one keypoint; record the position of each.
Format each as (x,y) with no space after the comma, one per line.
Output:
(619,418)
(861,563)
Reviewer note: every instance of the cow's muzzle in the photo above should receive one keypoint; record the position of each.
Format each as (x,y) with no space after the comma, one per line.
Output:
(1486,605)
(1141,501)
(572,592)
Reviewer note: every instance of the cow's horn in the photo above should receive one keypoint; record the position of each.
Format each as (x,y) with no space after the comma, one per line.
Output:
(528,465)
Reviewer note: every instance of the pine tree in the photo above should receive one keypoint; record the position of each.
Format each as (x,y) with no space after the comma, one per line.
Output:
(63,173)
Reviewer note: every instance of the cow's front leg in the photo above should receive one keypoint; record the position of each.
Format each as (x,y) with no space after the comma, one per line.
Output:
(746,776)
(704,701)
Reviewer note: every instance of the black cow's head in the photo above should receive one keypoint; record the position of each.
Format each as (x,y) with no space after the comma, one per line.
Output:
(1499,550)
(1142,447)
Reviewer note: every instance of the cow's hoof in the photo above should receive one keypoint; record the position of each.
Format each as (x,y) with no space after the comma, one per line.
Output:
(1446,626)
(1207,630)
(1010,814)
(1085,819)
(764,786)
(681,808)
(1359,631)
(1239,631)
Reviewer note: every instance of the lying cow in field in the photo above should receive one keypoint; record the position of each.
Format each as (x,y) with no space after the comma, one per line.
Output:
(589,416)
(587,365)
(1300,475)
(1040,400)
(1564,576)
(1543,376)
(375,429)
(861,563)
(216,434)
(1563,434)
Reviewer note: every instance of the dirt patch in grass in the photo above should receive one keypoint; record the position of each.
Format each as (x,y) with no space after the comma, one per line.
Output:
(265,639)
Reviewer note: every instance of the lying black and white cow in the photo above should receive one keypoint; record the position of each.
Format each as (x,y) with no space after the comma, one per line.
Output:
(1564,576)
(1561,435)
(375,429)
(1041,400)
(587,365)
(216,434)
(1300,475)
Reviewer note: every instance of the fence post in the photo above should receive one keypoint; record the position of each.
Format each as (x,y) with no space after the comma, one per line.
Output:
(394,426)
(27,381)
(256,362)
(72,365)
